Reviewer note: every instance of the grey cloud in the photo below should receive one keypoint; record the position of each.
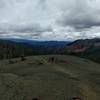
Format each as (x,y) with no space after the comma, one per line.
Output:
(33,28)
(49,19)
(29,31)
(80,23)
(80,15)
(42,3)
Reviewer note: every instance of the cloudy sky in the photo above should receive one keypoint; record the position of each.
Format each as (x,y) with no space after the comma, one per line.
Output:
(50,19)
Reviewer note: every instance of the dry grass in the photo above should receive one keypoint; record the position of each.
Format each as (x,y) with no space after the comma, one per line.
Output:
(58,80)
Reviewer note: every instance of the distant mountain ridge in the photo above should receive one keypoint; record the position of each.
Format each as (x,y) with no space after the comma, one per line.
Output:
(35,42)
(87,48)
(11,48)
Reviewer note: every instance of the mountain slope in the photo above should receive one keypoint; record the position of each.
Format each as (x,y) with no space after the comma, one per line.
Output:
(37,76)
(88,48)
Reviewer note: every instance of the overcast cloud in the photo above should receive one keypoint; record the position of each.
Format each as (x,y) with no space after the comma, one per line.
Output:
(50,19)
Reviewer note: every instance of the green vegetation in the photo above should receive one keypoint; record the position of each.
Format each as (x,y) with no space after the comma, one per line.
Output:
(58,79)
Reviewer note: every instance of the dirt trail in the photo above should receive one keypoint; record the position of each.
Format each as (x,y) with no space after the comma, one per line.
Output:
(87,91)
(65,71)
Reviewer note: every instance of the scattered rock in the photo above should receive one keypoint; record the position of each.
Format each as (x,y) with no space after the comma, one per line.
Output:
(12,61)
(76,98)
(35,99)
